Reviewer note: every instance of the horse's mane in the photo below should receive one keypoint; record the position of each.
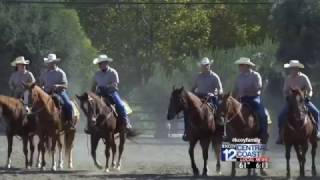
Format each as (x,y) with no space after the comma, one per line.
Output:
(194,99)
(97,99)
(45,97)
(10,102)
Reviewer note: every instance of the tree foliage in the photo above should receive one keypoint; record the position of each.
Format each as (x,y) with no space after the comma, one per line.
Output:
(33,31)
(297,27)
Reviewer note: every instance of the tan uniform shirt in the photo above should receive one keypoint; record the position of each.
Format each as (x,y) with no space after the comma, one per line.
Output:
(106,79)
(300,81)
(248,84)
(208,83)
(16,82)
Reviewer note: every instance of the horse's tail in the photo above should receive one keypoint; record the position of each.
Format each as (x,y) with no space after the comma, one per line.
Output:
(131,133)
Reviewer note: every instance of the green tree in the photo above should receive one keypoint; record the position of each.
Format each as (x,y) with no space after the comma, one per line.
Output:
(297,27)
(35,31)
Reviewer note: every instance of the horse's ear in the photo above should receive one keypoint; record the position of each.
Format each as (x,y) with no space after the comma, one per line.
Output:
(173,87)
(228,94)
(78,97)
(182,88)
(32,85)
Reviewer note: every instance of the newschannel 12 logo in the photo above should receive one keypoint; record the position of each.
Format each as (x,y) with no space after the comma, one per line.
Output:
(228,152)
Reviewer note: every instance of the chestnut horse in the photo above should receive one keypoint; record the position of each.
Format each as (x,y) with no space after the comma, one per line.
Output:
(299,129)
(102,118)
(240,121)
(50,126)
(14,117)
(202,125)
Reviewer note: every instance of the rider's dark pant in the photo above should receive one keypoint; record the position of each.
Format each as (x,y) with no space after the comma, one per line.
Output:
(67,105)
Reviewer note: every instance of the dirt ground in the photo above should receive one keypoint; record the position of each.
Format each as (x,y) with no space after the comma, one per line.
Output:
(145,158)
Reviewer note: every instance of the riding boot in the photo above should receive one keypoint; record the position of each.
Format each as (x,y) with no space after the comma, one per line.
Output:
(185,136)
(280,137)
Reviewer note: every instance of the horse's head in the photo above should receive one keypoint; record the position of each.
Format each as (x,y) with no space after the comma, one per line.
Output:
(224,109)
(89,106)
(296,104)
(177,102)
(30,95)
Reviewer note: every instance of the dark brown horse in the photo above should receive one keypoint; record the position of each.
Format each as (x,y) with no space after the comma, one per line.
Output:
(102,118)
(49,126)
(202,125)
(298,131)
(240,121)
(14,117)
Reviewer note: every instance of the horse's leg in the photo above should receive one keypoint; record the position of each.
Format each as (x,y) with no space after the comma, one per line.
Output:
(314,145)
(59,143)
(53,150)
(69,147)
(10,139)
(114,151)
(39,154)
(288,150)
(107,150)
(43,152)
(31,145)
(262,170)
(25,149)
(192,144)
(205,147)
(122,141)
(94,144)
(304,149)
(217,149)
(233,169)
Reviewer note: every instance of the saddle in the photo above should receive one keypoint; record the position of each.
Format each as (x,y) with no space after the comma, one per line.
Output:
(59,104)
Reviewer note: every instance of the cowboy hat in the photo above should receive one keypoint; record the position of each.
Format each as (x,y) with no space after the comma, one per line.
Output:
(51,58)
(20,60)
(244,60)
(293,64)
(205,61)
(102,58)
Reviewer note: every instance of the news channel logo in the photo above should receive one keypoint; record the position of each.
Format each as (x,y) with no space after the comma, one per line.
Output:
(249,153)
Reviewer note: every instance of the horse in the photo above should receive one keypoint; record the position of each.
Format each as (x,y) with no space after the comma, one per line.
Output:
(240,122)
(102,117)
(16,122)
(202,125)
(299,129)
(49,126)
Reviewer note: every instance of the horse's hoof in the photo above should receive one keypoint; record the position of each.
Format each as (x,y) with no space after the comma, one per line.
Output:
(39,166)
(196,172)
(28,167)
(118,168)
(54,168)
(43,168)
(107,170)
(8,166)
(219,172)
(263,173)
(70,166)
(314,172)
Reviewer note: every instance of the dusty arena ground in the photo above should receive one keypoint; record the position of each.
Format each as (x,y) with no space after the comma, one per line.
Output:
(146,158)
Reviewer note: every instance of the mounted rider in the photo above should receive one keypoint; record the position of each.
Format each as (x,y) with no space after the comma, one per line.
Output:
(54,81)
(105,84)
(248,90)
(207,85)
(20,77)
(297,80)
